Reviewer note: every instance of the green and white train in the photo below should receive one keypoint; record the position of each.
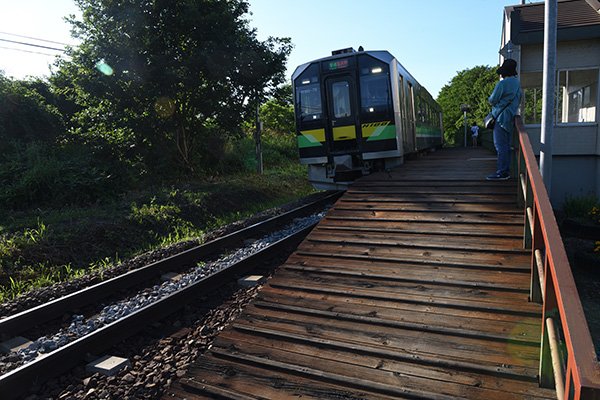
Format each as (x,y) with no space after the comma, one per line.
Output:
(359,112)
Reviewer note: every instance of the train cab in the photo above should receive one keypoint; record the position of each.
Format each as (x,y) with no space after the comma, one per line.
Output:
(351,117)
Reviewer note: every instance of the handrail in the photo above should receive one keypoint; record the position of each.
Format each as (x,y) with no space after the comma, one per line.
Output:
(553,285)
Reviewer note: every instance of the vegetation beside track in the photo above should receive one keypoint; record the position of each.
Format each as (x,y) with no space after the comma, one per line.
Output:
(135,142)
(42,246)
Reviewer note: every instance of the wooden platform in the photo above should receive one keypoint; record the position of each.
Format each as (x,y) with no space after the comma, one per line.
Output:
(415,285)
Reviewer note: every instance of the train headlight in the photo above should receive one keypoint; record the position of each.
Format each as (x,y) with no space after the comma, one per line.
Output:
(306,81)
(371,109)
(376,70)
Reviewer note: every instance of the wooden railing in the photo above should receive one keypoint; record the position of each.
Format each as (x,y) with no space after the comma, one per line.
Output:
(568,359)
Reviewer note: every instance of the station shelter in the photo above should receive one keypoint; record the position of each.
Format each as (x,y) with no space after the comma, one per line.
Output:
(576,137)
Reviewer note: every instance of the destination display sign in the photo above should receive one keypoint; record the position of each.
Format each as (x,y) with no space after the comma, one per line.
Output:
(337,64)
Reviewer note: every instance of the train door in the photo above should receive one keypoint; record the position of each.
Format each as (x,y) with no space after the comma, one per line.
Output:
(410,137)
(341,126)
(403,114)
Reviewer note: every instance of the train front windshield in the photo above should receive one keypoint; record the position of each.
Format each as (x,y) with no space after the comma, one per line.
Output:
(309,102)
(375,97)
(308,95)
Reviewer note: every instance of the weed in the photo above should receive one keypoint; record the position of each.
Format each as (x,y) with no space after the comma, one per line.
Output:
(35,235)
(16,287)
(581,206)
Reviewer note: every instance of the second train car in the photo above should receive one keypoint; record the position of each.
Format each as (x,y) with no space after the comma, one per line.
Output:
(358,112)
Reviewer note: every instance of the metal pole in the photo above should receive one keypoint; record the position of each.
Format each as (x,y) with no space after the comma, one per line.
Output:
(548,94)
(465,112)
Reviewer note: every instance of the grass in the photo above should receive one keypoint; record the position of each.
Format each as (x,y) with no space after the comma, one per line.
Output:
(44,246)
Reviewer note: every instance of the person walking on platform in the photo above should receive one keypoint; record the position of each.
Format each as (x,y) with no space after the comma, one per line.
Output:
(474,134)
(505,99)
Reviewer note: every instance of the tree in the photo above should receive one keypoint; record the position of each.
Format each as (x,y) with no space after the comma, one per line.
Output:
(470,86)
(168,80)
(277,113)
(25,115)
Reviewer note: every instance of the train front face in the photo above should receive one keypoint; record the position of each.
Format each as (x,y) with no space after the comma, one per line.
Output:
(344,117)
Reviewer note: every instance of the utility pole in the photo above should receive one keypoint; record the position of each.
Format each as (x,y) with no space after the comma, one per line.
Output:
(257,142)
(549,79)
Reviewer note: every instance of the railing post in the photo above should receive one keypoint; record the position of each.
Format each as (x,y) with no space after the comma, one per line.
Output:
(528,211)
(538,259)
(550,310)
(521,171)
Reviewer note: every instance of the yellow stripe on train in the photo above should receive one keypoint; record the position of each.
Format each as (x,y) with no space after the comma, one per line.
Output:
(314,135)
(373,128)
(344,132)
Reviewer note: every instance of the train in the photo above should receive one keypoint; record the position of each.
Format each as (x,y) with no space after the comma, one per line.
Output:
(357,112)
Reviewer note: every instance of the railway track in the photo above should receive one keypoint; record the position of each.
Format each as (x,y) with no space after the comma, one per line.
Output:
(55,362)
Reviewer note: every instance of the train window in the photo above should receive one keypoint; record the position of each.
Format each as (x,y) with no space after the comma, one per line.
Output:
(341,99)
(374,93)
(308,98)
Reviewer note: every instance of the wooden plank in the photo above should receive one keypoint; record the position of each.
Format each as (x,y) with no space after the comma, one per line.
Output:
(358,204)
(432,188)
(394,307)
(449,257)
(176,392)
(449,228)
(412,229)
(431,216)
(482,243)
(414,293)
(481,201)
(421,359)
(411,272)
(511,357)
(422,183)
(327,372)
(435,198)
(518,333)
(429,379)
(272,383)
(211,390)
(397,313)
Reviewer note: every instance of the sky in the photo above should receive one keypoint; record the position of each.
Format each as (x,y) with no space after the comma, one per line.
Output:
(432,39)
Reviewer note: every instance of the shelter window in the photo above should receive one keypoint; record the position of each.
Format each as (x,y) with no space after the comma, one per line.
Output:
(577,96)
(531,83)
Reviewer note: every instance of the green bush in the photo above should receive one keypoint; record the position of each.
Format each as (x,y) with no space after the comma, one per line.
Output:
(280,149)
(38,174)
(581,206)
(237,155)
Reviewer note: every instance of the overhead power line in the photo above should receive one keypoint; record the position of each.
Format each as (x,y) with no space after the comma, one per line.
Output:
(33,38)
(32,44)
(28,51)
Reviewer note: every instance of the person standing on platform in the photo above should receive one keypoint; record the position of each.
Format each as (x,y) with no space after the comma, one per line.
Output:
(474,134)
(505,99)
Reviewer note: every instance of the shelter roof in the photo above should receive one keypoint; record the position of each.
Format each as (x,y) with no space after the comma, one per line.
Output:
(576,20)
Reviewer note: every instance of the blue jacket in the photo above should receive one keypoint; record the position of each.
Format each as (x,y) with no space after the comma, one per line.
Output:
(507,91)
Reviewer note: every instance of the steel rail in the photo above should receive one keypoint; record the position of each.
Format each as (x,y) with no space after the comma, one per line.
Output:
(558,291)
(20,322)
(20,380)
